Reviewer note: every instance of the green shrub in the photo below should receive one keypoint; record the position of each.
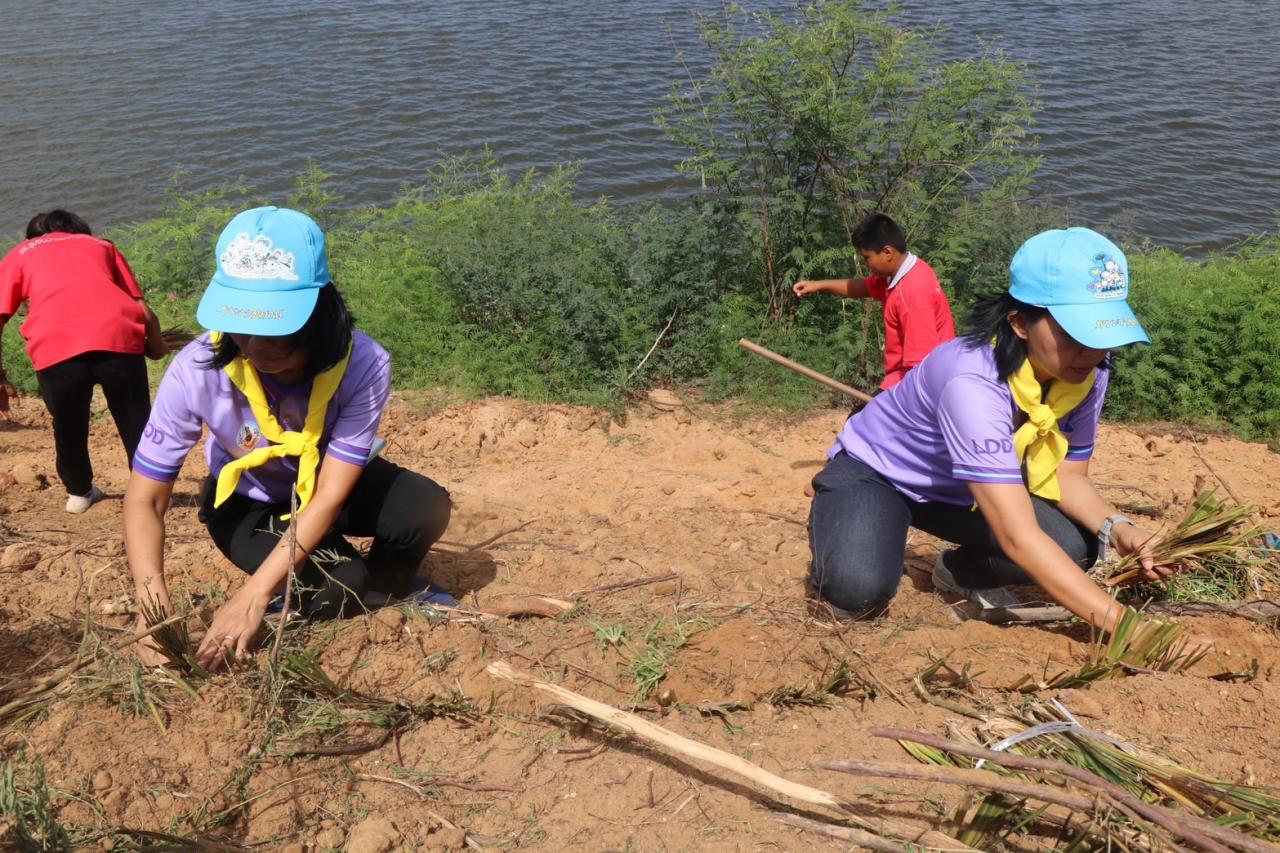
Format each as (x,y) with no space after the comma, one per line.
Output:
(1215,334)
(801,128)
(517,287)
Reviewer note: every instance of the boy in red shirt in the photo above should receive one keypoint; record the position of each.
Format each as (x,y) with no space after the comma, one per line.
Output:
(86,325)
(917,316)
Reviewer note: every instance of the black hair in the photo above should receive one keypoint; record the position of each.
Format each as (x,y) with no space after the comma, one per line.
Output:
(56,220)
(326,336)
(877,231)
(988,321)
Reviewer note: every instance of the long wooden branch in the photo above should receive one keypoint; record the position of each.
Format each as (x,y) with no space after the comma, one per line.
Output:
(642,728)
(804,371)
(683,746)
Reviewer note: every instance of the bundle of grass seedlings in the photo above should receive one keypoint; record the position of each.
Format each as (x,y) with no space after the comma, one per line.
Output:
(1138,642)
(1214,552)
(1063,753)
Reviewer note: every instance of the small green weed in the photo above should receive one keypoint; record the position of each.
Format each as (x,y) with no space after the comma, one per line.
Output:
(611,635)
(26,805)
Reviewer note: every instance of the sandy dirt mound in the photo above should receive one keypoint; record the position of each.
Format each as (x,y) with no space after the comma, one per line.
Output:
(579,503)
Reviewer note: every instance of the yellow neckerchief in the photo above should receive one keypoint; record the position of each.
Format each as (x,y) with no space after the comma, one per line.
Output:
(1039,442)
(304,445)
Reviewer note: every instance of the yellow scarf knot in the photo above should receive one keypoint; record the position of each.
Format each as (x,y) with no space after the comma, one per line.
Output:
(304,444)
(1039,442)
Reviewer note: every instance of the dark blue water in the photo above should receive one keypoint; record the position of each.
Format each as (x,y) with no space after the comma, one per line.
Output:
(1168,111)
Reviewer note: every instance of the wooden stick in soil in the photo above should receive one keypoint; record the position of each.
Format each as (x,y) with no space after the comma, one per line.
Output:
(683,746)
(1254,518)
(1235,497)
(618,587)
(288,579)
(849,390)
(1195,829)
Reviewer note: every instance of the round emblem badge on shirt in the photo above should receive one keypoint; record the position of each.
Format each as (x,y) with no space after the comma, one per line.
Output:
(248,436)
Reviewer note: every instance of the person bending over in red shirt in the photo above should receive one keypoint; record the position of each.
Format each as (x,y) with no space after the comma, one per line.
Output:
(917,316)
(87,325)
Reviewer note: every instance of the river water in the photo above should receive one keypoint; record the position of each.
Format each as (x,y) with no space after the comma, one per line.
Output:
(1164,113)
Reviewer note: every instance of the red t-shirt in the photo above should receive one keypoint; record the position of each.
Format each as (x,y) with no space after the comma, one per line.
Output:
(917,318)
(83,297)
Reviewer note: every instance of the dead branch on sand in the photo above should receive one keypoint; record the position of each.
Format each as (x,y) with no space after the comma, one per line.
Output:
(687,748)
(1190,827)
(608,589)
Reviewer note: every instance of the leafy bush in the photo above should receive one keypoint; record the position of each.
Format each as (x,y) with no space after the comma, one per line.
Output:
(517,287)
(802,128)
(493,284)
(1215,334)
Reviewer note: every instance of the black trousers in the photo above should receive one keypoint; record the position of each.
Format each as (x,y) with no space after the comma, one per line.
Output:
(67,390)
(404,512)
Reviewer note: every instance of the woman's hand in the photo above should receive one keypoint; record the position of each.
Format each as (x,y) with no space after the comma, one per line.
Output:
(1129,539)
(233,628)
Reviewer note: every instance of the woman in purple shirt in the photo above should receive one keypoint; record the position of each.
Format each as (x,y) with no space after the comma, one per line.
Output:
(290,393)
(1002,421)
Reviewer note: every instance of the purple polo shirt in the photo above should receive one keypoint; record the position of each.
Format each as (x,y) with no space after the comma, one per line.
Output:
(192,396)
(950,422)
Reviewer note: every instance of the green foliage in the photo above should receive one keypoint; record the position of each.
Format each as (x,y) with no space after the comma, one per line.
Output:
(27,811)
(16,364)
(172,254)
(494,284)
(1215,334)
(505,285)
(804,127)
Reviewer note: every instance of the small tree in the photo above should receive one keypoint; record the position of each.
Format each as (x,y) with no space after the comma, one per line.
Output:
(800,129)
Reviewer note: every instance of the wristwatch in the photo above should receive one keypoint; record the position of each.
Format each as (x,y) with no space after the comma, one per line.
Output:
(1104,533)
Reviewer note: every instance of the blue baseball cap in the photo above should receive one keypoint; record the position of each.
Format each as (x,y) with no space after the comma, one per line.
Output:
(1083,279)
(271,264)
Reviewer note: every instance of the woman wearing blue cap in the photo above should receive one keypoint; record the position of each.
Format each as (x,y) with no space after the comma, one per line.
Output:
(1003,418)
(290,393)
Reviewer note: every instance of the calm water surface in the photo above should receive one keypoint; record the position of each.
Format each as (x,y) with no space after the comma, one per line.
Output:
(1168,110)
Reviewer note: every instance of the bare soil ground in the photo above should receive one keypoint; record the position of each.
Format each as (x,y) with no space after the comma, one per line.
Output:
(583,503)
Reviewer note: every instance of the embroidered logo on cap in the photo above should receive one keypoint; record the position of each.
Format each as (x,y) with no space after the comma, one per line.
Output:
(1108,279)
(257,258)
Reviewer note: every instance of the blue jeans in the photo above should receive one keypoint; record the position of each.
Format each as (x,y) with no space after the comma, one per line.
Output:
(858,531)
